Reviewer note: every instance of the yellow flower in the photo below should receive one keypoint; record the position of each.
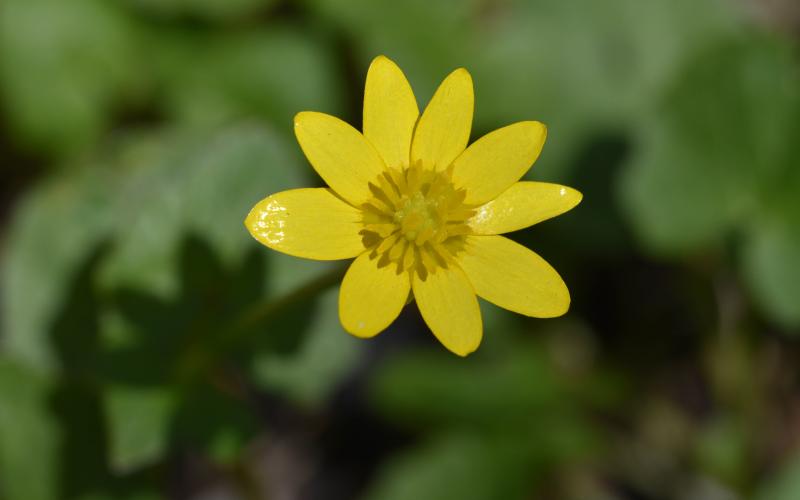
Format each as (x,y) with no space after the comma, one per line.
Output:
(420,211)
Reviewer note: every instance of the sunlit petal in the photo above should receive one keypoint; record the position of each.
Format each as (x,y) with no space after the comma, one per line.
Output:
(523,204)
(498,159)
(371,297)
(444,127)
(390,112)
(344,159)
(450,309)
(513,277)
(310,223)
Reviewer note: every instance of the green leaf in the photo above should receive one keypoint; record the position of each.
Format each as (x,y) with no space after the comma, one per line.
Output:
(145,494)
(479,464)
(29,436)
(771,262)
(771,253)
(210,10)
(586,67)
(139,422)
(168,359)
(215,422)
(783,485)
(715,146)
(722,450)
(72,210)
(202,184)
(462,467)
(581,67)
(62,67)
(444,35)
(424,388)
(325,357)
(161,188)
(273,74)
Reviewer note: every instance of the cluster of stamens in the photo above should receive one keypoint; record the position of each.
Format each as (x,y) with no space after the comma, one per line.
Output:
(415,220)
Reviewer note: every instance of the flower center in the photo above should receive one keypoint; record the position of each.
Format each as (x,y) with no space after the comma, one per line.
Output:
(415,220)
(418,218)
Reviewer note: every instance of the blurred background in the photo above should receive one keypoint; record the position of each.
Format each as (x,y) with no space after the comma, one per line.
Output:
(151,349)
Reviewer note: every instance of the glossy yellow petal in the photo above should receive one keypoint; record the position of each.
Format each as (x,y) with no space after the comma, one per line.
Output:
(523,204)
(339,153)
(311,223)
(390,112)
(498,159)
(513,277)
(443,129)
(371,297)
(449,306)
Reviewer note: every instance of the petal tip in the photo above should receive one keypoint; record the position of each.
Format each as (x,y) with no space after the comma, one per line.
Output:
(461,73)
(557,312)
(300,117)
(303,117)
(463,351)
(355,327)
(357,330)
(572,196)
(538,129)
(250,219)
(251,223)
(381,59)
(560,301)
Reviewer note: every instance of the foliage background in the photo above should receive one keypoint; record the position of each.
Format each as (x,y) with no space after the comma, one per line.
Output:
(150,349)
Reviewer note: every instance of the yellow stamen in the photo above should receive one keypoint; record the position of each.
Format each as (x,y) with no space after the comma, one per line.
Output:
(415,220)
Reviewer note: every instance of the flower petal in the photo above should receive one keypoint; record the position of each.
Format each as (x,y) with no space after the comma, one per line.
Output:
(390,112)
(513,277)
(498,159)
(449,306)
(523,204)
(444,127)
(371,297)
(339,153)
(311,223)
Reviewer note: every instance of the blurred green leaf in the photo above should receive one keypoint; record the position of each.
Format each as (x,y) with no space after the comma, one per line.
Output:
(784,484)
(29,436)
(480,465)
(586,67)
(174,340)
(456,466)
(214,419)
(148,314)
(442,41)
(720,156)
(490,424)
(520,385)
(580,67)
(201,184)
(63,66)
(72,211)
(213,77)
(717,141)
(771,254)
(771,261)
(722,451)
(139,420)
(145,494)
(211,10)
(172,356)
(161,188)
(327,355)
